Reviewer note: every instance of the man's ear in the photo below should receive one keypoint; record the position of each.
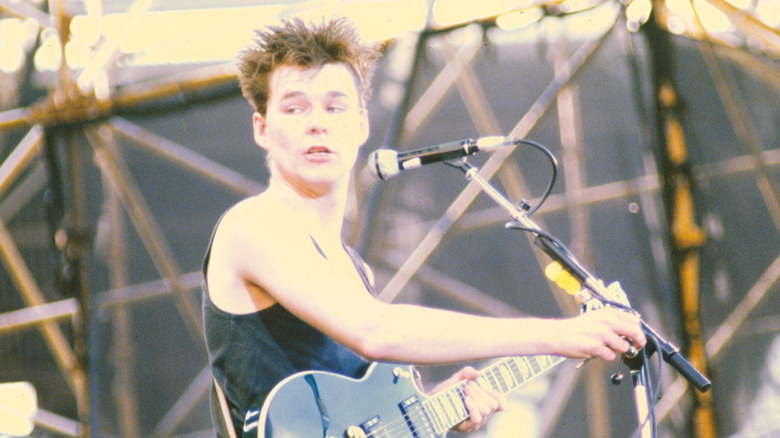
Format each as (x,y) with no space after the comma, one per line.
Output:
(260,130)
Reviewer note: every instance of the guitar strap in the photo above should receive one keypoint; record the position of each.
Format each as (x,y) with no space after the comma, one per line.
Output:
(223,406)
(363,270)
(320,405)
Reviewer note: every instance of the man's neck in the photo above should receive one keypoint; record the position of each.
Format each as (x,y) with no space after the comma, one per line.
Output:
(324,213)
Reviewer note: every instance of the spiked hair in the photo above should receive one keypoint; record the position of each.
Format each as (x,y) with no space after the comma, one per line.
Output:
(294,43)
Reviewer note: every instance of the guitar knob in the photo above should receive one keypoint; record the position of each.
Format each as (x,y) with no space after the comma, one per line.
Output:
(355,432)
(398,372)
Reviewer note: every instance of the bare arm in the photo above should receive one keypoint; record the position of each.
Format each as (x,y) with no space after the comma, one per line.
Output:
(280,259)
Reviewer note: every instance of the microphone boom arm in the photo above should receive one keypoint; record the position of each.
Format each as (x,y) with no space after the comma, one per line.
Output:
(559,253)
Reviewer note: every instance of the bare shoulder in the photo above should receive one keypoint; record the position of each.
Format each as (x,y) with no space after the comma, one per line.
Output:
(256,232)
(255,221)
(242,253)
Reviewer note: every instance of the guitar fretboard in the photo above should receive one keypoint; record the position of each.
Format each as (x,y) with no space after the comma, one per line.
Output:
(446,409)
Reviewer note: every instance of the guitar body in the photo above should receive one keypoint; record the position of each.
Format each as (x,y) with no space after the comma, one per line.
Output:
(385,402)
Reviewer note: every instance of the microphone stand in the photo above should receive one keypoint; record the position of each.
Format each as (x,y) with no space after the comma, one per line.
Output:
(636,360)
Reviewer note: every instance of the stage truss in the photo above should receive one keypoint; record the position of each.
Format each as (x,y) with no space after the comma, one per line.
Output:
(66,129)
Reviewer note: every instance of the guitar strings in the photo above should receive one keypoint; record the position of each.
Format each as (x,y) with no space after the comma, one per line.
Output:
(406,426)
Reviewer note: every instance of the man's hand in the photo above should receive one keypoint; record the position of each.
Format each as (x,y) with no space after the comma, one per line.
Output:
(480,403)
(604,333)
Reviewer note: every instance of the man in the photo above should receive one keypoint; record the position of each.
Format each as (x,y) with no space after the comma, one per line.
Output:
(284,294)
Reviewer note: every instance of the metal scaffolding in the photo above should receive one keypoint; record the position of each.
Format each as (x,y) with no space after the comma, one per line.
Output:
(69,128)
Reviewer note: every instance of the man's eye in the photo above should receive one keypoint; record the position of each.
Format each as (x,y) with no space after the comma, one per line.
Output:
(336,108)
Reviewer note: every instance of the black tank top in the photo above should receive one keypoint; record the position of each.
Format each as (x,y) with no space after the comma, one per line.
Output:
(250,353)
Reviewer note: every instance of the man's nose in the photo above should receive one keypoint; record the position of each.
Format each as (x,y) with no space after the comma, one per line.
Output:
(317,120)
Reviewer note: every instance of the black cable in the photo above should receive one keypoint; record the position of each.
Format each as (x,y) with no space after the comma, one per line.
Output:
(553,176)
(654,391)
(552,240)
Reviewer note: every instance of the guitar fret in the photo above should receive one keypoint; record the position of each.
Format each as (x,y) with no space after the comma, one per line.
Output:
(514,368)
(506,377)
(499,379)
(456,398)
(446,409)
(494,380)
(449,408)
(535,365)
(443,412)
(483,381)
(434,416)
(503,376)
(488,380)
(523,369)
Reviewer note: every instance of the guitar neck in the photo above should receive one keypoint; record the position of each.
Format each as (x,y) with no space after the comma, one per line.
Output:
(446,409)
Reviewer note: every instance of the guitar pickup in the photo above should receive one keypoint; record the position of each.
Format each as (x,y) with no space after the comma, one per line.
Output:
(408,402)
(416,418)
(371,424)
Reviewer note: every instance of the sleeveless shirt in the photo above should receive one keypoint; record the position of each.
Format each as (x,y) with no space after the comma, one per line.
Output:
(250,353)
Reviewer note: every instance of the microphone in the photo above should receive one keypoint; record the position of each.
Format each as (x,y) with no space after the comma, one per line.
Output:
(387,163)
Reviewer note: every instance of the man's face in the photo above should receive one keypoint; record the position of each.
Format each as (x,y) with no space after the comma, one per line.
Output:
(313,127)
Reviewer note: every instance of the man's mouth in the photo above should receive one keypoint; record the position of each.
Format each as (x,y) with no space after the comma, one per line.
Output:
(317,150)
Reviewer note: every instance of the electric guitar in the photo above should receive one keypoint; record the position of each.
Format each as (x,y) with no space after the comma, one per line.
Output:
(385,403)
